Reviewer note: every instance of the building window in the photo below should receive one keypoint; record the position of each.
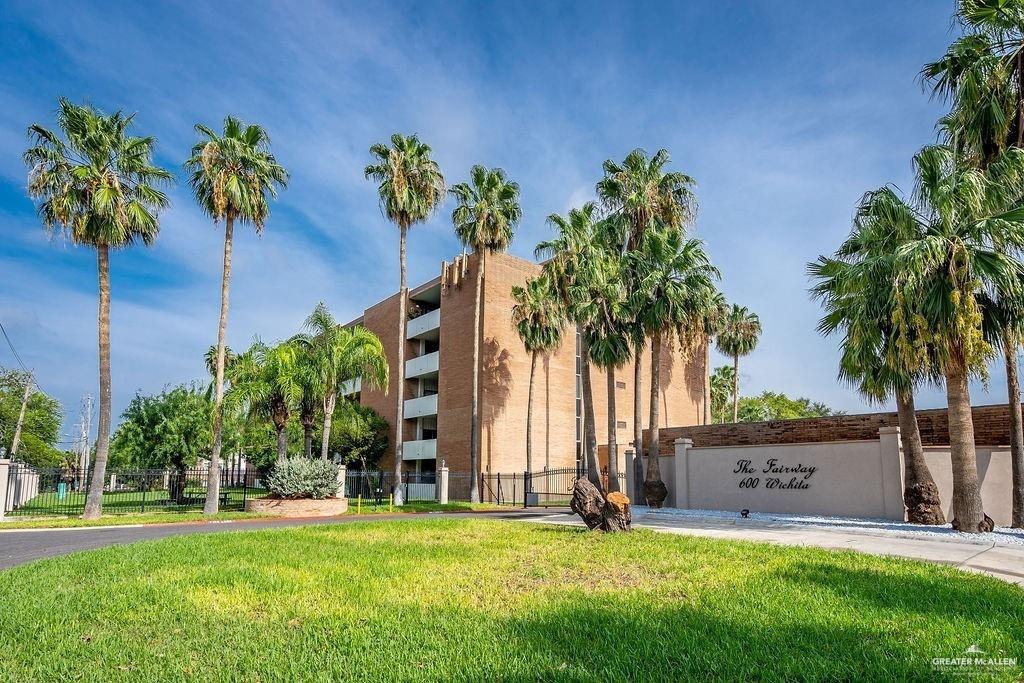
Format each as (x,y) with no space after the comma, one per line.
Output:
(620,385)
(621,424)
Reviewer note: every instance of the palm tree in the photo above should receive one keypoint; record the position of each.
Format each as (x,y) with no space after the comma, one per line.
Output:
(311,391)
(539,319)
(571,256)
(411,187)
(267,382)
(339,354)
(97,185)
(969,220)
(715,320)
(485,218)
(643,193)
(673,297)
(738,337)
(232,175)
(721,391)
(982,74)
(855,287)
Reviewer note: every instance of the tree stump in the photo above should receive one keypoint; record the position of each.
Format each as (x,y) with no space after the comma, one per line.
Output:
(609,513)
(655,492)
(923,504)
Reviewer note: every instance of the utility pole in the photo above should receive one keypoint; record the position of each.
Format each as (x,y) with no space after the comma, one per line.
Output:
(21,416)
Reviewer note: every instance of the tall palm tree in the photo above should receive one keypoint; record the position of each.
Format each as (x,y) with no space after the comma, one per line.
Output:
(571,256)
(966,232)
(641,194)
(718,313)
(233,175)
(539,319)
(485,217)
(673,297)
(737,337)
(856,287)
(644,193)
(411,187)
(340,354)
(267,382)
(982,75)
(721,392)
(97,185)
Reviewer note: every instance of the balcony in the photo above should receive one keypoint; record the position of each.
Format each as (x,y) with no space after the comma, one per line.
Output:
(353,386)
(424,449)
(420,407)
(423,366)
(425,326)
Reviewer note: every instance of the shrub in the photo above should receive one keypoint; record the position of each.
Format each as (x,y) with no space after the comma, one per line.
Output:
(303,478)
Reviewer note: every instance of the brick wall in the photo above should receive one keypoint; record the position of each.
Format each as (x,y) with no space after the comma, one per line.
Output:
(991,427)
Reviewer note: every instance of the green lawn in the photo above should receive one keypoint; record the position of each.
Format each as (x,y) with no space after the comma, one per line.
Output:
(474,600)
(73,503)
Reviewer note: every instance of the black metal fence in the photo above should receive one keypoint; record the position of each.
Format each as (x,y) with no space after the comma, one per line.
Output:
(51,491)
(378,487)
(545,488)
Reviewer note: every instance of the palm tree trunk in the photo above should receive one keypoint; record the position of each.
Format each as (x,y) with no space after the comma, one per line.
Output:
(212,504)
(1016,432)
(638,424)
(654,488)
(332,399)
(613,441)
(474,420)
(707,381)
(400,411)
(529,414)
(307,439)
(94,501)
(282,443)
(735,388)
(968,514)
(920,494)
(589,428)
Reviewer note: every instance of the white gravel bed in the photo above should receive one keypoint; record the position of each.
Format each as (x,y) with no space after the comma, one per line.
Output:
(1000,536)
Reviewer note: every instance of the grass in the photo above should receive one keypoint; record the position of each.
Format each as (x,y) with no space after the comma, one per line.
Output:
(446,599)
(172,517)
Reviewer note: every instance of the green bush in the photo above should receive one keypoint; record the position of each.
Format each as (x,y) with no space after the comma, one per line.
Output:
(303,478)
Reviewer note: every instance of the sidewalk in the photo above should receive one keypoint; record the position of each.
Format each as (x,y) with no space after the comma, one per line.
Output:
(1003,561)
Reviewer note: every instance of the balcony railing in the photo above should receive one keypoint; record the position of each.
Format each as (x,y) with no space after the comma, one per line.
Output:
(423,449)
(424,365)
(353,386)
(423,406)
(423,325)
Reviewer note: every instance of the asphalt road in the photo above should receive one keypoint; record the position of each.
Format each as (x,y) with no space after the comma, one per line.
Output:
(20,546)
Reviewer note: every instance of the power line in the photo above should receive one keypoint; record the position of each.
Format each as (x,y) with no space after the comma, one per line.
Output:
(20,362)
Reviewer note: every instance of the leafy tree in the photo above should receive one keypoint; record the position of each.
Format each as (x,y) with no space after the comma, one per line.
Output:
(171,429)
(96,184)
(539,319)
(485,217)
(40,432)
(359,435)
(233,175)
(411,188)
(771,405)
(737,337)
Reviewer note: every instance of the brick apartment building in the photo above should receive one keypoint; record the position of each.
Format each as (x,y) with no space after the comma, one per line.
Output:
(439,372)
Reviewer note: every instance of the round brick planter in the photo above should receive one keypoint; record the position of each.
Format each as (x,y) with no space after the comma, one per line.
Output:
(303,507)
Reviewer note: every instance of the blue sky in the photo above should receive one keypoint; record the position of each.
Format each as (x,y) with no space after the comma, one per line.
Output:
(784,112)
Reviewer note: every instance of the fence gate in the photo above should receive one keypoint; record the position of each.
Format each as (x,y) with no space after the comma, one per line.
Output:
(544,488)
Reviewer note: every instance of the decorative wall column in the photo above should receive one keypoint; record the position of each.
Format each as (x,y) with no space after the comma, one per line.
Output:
(5,474)
(681,483)
(342,471)
(442,484)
